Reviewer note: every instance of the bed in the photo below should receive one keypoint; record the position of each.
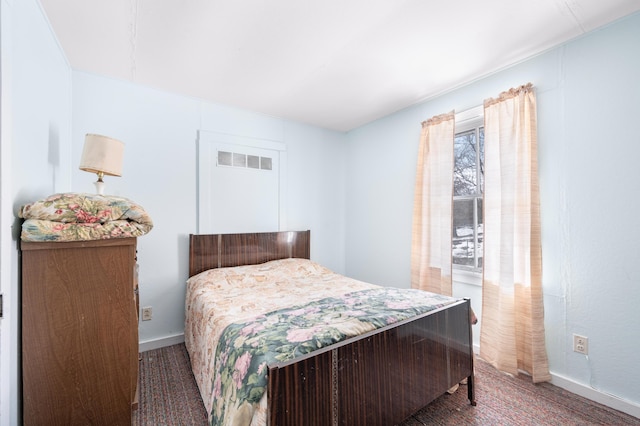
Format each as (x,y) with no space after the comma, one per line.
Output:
(365,376)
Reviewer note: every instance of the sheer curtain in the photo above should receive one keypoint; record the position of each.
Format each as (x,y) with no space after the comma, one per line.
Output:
(432,208)
(512,332)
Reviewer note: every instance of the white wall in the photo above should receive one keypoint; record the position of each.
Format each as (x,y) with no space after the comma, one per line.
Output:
(159,131)
(588,104)
(36,119)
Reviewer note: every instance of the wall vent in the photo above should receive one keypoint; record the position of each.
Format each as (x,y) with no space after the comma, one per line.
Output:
(245,161)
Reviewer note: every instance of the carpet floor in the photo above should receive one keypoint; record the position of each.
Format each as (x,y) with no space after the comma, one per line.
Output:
(170,396)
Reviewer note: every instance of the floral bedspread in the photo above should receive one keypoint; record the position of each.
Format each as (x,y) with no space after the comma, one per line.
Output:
(287,292)
(81,217)
(245,348)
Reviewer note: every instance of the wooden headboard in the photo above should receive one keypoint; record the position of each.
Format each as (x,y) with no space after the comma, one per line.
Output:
(225,250)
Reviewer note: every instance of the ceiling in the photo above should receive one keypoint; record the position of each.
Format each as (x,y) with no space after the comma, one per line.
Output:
(337,64)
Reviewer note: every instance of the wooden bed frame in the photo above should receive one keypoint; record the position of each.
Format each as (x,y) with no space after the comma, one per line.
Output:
(379,378)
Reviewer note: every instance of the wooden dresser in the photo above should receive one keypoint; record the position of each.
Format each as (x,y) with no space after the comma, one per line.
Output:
(79,332)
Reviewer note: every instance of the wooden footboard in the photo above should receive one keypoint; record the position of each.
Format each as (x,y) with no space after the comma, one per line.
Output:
(379,378)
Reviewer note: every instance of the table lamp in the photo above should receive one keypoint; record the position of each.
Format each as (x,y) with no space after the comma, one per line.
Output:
(102,155)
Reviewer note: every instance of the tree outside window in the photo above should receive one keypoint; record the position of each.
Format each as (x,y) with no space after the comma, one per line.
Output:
(468,183)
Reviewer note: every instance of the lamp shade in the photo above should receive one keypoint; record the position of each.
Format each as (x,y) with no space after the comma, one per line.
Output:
(102,154)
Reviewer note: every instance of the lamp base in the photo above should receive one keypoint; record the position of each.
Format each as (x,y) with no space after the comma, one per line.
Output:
(99,187)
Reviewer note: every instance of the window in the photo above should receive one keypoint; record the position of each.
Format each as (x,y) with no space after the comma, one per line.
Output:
(468,183)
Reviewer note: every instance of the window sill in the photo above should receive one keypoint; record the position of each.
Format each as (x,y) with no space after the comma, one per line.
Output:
(467,277)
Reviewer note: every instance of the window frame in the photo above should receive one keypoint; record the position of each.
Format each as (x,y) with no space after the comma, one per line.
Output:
(465,121)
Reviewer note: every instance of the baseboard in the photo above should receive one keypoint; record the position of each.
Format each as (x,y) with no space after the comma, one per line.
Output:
(149,345)
(595,395)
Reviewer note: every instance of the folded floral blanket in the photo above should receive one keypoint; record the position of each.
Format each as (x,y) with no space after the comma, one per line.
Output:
(82,217)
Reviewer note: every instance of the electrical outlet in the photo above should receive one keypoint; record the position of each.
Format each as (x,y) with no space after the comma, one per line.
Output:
(581,344)
(147,313)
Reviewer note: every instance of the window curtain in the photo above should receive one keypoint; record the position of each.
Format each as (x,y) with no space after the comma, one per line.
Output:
(512,331)
(432,209)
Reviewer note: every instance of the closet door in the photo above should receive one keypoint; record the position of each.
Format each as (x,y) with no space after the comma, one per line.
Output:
(240,185)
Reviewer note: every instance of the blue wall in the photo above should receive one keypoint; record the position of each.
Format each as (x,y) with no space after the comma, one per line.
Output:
(160,131)
(588,103)
(36,123)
